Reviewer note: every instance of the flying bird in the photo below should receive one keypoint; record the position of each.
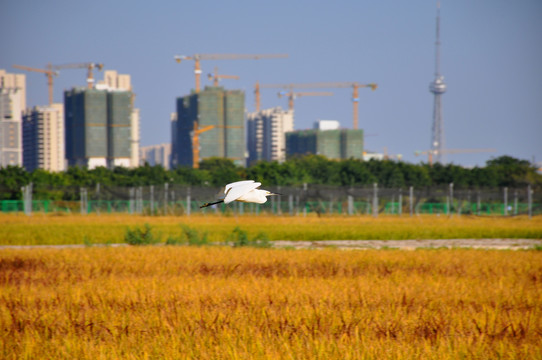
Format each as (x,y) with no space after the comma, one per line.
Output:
(244,191)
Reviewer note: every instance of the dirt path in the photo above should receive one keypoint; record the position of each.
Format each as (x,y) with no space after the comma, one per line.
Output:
(500,244)
(496,244)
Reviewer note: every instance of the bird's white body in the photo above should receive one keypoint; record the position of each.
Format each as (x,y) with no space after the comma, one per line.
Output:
(254,196)
(243,191)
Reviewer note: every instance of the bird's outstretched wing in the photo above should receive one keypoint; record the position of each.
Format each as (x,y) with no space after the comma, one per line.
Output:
(237,183)
(222,193)
(239,189)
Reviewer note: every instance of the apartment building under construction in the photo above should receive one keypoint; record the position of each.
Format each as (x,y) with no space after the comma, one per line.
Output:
(220,114)
(98,127)
(333,144)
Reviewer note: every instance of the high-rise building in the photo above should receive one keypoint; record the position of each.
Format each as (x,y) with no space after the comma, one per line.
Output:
(43,138)
(157,155)
(98,127)
(219,110)
(12,104)
(86,127)
(14,81)
(333,144)
(351,143)
(119,134)
(135,136)
(266,131)
(115,81)
(174,133)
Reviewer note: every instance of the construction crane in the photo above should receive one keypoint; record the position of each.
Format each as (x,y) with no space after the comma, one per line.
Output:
(195,142)
(431,153)
(390,156)
(257,96)
(322,85)
(48,72)
(293,95)
(198,57)
(89,66)
(196,131)
(216,77)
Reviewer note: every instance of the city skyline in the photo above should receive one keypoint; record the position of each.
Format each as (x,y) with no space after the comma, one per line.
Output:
(490,56)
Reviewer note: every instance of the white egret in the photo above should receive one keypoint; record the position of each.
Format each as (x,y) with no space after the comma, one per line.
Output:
(244,191)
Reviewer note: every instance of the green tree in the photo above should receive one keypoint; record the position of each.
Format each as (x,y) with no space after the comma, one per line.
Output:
(221,171)
(12,178)
(319,169)
(101,175)
(415,175)
(268,172)
(190,176)
(49,185)
(395,178)
(513,172)
(78,176)
(151,175)
(483,177)
(315,169)
(355,172)
(124,177)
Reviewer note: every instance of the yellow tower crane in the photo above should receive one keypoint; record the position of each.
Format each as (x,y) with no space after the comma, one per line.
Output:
(216,77)
(196,131)
(198,57)
(257,96)
(291,95)
(48,72)
(322,85)
(89,66)
(195,142)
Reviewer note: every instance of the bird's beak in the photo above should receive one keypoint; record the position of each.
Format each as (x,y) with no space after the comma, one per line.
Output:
(274,194)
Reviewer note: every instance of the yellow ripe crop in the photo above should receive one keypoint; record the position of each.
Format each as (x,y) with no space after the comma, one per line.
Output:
(175,302)
(40,229)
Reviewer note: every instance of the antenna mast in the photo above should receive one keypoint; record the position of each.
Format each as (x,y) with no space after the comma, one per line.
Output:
(437,87)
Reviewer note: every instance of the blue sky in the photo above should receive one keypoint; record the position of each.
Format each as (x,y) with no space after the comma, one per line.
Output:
(491,60)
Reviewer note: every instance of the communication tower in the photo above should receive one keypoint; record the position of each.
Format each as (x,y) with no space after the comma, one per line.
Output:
(437,87)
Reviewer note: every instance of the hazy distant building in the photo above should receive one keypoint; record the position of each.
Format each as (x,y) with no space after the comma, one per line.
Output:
(135,137)
(98,127)
(174,133)
(12,104)
(369,155)
(43,138)
(114,80)
(266,130)
(156,155)
(221,109)
(326,125)
(14,81)
(333,144)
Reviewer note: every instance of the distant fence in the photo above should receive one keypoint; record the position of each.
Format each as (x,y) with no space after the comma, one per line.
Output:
(170,199)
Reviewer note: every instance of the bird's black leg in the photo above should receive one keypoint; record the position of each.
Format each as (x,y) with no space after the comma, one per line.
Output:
(213,203)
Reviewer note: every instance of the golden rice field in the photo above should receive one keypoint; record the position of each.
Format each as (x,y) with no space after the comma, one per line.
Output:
(40,229)
(179,302)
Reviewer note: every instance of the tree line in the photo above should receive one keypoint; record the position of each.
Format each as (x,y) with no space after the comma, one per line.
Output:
(504,171)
